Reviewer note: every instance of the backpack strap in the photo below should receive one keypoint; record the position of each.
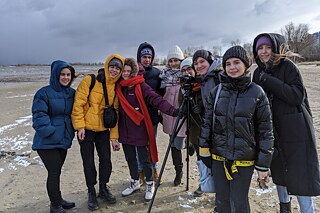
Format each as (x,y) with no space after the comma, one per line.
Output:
(93,81)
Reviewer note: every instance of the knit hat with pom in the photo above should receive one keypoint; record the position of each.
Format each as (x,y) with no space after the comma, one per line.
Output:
(175,52)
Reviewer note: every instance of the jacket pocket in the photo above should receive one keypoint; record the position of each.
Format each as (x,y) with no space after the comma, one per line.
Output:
(56,137)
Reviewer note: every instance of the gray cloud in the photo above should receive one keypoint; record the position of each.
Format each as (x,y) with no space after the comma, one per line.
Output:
(37,31)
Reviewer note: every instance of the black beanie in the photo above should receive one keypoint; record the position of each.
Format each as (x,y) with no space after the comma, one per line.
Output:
(237,52)
(207,55)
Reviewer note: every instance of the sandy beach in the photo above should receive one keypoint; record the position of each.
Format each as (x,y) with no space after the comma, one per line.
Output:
(23,176)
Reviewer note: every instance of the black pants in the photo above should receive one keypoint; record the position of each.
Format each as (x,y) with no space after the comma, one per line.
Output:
(100,140)
(232,195)
(53,160)
(144,157)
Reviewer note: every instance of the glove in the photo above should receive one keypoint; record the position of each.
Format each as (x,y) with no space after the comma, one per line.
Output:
(206,161)
(262,76)
(176,113)
(196,109)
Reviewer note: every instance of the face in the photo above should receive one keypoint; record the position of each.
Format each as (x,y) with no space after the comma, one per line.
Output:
(235,67)
(264,52)
(201,66)
(126,72)
(188,70)
(114,71)
(146,60)
(174,63)
(65,77)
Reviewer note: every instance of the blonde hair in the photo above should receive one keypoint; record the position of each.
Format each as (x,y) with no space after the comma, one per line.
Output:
(284,53)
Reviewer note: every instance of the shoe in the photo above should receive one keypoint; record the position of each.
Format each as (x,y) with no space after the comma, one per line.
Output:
(198,192)
(149,190)
(285,207)
(141,178)
(56,208)
(191,150)
(67,204)
(177,179)
(92,200)
(105,193)
(134,186)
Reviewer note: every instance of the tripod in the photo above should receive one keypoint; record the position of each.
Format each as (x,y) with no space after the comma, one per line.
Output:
(186,103)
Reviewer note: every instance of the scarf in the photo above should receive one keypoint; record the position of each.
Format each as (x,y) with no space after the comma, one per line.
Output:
(135,115)
(196,87)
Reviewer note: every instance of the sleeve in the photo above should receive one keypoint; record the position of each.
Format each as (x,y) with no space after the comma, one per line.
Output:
(80,102)
(291,90)
(114,132)
(40,115)
(205,136)
(264,133)
(156,100)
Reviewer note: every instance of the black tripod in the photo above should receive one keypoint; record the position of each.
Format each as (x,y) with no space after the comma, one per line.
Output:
(184,114)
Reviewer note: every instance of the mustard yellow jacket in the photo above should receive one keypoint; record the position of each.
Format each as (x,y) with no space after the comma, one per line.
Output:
(87,112)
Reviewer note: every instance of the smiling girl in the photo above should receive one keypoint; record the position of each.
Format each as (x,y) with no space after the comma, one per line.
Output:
(236,132)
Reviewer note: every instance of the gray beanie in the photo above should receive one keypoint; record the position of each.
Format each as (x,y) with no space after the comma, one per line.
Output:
(237,52)
(115,62)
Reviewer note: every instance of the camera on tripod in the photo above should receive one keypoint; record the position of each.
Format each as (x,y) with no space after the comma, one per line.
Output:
(186,79)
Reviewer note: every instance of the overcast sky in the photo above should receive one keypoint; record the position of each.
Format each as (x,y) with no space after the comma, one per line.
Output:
(40,31)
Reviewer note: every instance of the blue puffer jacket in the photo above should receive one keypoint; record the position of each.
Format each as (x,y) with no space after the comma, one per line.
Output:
(51,112)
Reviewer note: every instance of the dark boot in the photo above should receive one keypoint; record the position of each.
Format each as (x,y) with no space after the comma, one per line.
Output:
(105,193)
(92,199)
(56,208)
(285,207)
(66,204)
(178,165)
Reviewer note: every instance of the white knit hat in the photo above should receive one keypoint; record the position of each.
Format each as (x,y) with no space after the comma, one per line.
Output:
(175,52)
(186,62)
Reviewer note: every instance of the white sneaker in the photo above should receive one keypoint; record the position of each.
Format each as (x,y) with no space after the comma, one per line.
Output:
(149,190)
(134,186)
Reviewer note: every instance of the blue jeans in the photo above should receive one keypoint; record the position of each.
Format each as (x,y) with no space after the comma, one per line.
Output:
(305,202)
(154,165)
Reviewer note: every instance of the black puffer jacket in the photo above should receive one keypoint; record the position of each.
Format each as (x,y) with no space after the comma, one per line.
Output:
(243,125)
(295,163)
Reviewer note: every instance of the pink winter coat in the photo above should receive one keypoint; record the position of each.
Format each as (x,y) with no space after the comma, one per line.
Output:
(171,95)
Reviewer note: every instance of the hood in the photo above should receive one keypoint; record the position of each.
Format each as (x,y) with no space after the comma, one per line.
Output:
(276,39)
(142,46)
(106,68)
(56,68)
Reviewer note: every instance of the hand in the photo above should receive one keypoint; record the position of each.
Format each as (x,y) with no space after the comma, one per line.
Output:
(262,76)
(262,175)
(176,113)
(196,109)
(115,145)
(263,179)
(206,161)
(81,134)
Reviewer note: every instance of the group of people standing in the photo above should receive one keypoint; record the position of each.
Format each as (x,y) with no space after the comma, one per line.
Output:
(239,123)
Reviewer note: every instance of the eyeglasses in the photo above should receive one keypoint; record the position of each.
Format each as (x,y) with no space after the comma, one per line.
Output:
(188,69)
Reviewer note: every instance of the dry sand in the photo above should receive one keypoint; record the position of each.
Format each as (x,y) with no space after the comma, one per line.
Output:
(22,182)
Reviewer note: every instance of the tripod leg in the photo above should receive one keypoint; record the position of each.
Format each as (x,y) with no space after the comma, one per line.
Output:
(175,132)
